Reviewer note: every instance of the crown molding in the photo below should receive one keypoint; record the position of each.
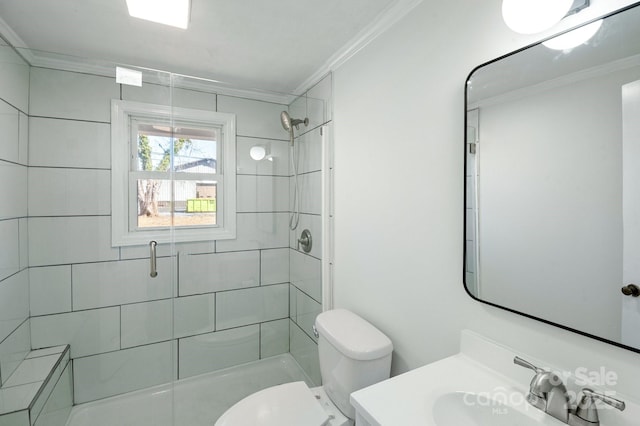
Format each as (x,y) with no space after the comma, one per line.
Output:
(10,36)
(385,19)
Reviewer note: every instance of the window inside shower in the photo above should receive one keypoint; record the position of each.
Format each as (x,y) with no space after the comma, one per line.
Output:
(174,171)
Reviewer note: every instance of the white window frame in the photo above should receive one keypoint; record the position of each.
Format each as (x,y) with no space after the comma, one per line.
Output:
(122,234)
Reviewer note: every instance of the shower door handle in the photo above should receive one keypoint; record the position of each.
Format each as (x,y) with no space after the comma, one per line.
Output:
(152,259)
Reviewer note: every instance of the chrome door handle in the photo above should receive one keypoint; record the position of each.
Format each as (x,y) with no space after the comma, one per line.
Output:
(152,259)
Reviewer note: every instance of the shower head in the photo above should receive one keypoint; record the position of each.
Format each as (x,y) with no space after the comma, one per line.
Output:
(288,123)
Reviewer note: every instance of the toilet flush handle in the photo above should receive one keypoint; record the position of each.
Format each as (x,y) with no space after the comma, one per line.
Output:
(315,331)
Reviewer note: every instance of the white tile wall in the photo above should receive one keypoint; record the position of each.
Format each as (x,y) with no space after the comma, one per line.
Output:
(19,418)
(45,393)
(23,243)
(262,193)
(314,105)
(310,192)
(251,305)
(309,155)
(258,231)
(13,350)
(163,95)
(57,408)
(293,302)
(69,192)
(71,95)
(14,306)
(51,141)
(307,310)
(214,351)
(254,118)
(32,370)
(14,84)
(298,109)
(9,247)
(194,315)
(277,150)
(148,322)
(108,374)
(61,240)
(314,224)
(319,104)
(305,351)
(274,338)
(115,304)
(50,289)
(24,139)
(14,193)
(88,332)
(115,283)
(274,266)
(306,274)
(206,273)
(9,132)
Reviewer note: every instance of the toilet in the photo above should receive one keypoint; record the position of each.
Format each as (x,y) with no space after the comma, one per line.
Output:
(353,354)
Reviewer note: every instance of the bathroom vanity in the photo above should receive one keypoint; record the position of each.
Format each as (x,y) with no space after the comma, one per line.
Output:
(481,385)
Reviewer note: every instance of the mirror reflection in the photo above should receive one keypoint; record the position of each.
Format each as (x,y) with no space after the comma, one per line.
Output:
(553,180)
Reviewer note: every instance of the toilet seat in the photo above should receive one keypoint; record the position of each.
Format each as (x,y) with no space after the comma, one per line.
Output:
(290,404)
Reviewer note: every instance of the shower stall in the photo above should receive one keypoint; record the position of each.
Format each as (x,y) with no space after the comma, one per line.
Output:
(96,166)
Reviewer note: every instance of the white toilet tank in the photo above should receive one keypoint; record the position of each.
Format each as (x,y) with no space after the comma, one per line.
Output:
(353,355)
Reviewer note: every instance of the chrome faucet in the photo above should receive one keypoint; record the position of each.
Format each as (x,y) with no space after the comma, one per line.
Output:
(586,413)
(549,394)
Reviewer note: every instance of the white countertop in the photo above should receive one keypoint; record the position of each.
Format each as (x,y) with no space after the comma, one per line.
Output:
(409,399)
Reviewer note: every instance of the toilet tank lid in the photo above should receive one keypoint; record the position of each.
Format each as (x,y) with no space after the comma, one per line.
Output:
(352,335)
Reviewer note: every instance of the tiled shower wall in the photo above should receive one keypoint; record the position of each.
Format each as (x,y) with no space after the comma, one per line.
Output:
(14,274)
(306,268)
(233,303)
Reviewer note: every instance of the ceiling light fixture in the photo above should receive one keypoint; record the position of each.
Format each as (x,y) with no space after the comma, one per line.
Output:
(168,12)
(535,16)
(574,38)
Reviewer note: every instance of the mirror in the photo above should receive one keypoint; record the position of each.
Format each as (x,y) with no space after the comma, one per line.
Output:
(552,159)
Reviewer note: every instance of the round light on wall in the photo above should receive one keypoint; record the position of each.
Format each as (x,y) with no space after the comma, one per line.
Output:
(574,38)
(534,16)
(257,152)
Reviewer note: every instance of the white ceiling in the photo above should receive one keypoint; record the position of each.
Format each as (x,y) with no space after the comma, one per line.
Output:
(252,44)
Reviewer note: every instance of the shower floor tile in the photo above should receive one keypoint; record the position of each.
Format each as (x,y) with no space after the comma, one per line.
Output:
(196,401)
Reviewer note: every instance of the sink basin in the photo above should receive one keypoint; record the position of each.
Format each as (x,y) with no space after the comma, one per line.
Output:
(470,409)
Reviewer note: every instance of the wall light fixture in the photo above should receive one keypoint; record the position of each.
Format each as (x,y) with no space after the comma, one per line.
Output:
(535,16)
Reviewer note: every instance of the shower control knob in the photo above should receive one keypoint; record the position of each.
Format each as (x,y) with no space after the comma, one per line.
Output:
(631,290)
(305,241)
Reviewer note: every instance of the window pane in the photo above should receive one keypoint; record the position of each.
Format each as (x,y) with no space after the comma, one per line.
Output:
(197,156)
(194,203)
(182,149)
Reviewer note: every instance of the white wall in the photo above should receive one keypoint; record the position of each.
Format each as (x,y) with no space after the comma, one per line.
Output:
(399,191)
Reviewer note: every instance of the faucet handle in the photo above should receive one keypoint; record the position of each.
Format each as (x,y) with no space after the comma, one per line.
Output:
(535,396)
(526,364)
(587,409)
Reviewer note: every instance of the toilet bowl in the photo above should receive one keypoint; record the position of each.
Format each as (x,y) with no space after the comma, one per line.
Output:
(353,354)
(285,405)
